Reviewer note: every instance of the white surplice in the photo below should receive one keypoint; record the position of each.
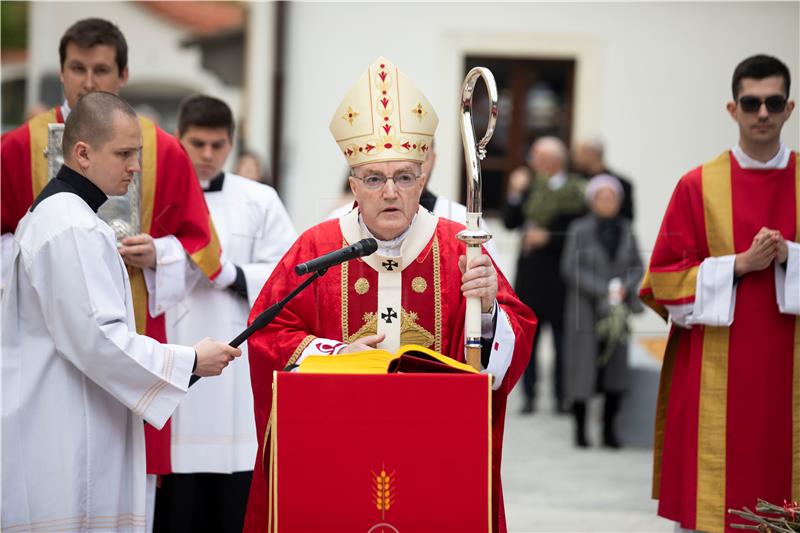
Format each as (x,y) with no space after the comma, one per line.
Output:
(213,430)
(77,381)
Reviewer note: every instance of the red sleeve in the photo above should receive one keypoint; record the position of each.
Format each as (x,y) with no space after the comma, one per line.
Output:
(179,207)
(16,185)
(523,323)
(680,247)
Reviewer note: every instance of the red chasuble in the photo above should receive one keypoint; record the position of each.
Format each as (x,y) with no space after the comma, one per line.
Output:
(355,299)
(172,203)
(728,419)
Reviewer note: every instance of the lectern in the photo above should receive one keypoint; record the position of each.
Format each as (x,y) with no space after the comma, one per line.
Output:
(395,453)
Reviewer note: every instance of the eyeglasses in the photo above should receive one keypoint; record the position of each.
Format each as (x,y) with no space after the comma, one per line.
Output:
(752,104)
(375,182)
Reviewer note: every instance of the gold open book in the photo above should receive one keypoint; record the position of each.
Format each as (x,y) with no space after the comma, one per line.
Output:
(409,358)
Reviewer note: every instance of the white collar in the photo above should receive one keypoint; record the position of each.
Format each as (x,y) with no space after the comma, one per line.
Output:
(557,180)
(390,248)
(780,160)
(65,110)
(420,233)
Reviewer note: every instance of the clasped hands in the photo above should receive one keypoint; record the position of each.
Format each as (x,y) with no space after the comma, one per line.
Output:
(479,281)
(768,246)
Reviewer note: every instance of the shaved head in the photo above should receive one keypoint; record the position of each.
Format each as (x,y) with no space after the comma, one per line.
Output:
(92,120)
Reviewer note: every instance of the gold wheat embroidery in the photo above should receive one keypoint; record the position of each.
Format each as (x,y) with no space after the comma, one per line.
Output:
(383,492)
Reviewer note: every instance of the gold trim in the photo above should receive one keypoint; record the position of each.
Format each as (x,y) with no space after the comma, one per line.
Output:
(796,382)
(674,285)
(207,258)
(489,428)
(664,386)
(139,295)
(370,327)
(411,332)
(437,297)
(300,347)
(419,284)
(649,299)
(149,162)
(361,286)
(345,300)
(711,431)
(796,408)
(38,133)
(718,206)
(272,517)
(713,403)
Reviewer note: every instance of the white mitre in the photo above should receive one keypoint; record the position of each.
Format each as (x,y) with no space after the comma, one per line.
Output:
(384,117)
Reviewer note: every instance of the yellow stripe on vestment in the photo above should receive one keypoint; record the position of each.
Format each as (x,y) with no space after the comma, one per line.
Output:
(207,258)
(272,482)
(38,132)
(674,285)
(147,189)
(713,397)
(718,205)
(664,386)
(712,431)
(649,298)
(147,183)
(796,380)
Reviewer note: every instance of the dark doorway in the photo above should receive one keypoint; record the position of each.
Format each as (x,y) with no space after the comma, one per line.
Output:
(535,99)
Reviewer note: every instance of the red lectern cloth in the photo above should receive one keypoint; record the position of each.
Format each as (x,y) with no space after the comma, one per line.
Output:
(373,453)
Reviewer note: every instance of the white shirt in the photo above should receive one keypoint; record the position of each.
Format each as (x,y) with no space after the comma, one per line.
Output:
(213,430)
(76,378)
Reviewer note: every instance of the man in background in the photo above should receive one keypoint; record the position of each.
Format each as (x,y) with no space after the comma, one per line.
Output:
(588,160)
(542,200)
(213,433)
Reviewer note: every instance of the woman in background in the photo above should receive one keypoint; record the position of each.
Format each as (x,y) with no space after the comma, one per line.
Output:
(602,270)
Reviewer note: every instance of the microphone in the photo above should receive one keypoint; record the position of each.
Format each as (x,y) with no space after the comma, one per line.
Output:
(360,249)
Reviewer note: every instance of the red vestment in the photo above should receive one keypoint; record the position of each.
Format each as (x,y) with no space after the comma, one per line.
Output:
(343,306)
(728,419)
(171,203)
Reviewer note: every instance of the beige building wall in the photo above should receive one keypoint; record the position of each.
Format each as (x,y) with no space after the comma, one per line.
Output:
(652,80)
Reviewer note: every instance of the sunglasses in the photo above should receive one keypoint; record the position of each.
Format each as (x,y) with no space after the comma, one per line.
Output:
(752,104)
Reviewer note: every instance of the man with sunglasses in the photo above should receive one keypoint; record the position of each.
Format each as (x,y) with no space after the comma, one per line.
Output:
(410,291)
(726,270)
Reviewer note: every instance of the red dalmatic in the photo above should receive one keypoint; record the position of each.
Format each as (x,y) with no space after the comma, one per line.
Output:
(728,420)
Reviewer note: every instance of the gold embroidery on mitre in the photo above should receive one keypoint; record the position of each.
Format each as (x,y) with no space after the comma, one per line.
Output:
(361,286)
(350,115)
(419,284)
(385,129)
(419,111)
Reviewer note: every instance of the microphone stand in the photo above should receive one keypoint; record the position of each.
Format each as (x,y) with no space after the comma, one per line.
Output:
(269,314)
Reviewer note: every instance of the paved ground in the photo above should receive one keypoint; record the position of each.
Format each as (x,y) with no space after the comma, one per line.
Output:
(552,486)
